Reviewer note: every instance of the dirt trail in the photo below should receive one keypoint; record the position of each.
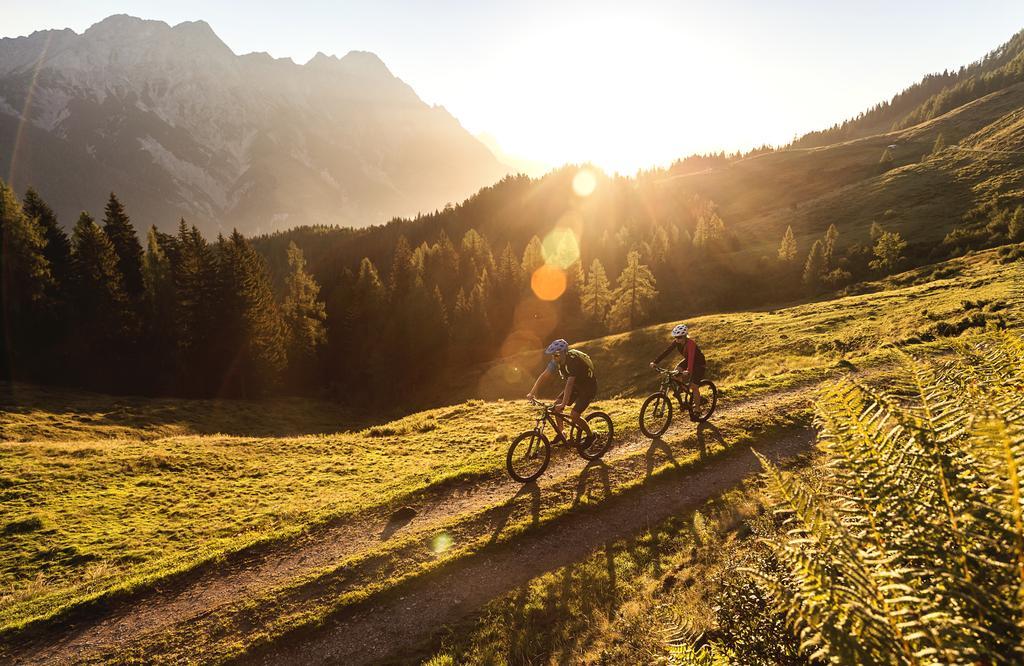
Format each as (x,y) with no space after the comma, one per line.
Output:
(386,630)
(187,601)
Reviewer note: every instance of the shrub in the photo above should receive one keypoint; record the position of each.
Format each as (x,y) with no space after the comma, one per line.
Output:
(911,548)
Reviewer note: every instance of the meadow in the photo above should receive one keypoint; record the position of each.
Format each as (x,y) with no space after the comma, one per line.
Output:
(102,495)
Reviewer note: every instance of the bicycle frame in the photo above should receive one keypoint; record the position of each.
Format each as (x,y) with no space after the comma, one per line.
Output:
(670,387)
(546,415)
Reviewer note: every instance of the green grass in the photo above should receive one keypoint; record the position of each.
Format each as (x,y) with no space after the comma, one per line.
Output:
(101,494)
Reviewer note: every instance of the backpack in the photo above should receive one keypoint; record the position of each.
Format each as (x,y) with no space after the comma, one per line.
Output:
(576,353)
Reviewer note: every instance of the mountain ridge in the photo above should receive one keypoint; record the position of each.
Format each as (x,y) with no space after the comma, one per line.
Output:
(180,126)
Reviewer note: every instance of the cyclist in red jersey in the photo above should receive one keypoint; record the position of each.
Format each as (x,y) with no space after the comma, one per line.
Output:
(693,366)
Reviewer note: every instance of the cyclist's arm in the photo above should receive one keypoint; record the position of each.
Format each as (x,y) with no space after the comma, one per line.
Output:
(691,355)
(540,380)
(662,355)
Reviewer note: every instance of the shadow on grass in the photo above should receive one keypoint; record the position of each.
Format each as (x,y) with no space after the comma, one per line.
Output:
(658,445)
(531,490)
(34,412)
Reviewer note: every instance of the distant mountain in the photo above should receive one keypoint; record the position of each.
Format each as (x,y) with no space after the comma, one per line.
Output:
(178,125)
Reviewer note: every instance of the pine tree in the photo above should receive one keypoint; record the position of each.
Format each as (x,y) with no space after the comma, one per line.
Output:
(121,233)
(940,144)
(710,231)
(251,332)
(533,258)
(58,246)
(1015,231)
(787,249)
(304,316)
(403,275)
(25,280)
(829,248)
(597,295)
(196,309)
(159,303)
(475,256)
(100,306)
(444,269)
(814,267)
(635,293)
(888,252)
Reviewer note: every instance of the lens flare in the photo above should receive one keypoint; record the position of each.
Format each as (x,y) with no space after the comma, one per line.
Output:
(441,543)
(584,182)
(560,248)
(548,282)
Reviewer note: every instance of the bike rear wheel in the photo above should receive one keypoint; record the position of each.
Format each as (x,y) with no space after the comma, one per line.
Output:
(655,415)
(709,400)
(528,456)
(601,433)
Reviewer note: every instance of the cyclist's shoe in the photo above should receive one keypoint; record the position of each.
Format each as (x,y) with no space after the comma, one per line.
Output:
(558,440)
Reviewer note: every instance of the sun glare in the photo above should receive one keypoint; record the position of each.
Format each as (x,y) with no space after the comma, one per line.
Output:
(584,182)
(560,248)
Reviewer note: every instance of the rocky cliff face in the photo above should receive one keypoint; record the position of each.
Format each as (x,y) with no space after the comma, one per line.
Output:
(179,126)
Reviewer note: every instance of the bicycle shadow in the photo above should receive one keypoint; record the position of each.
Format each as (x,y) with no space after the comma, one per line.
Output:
(583,484)
(397,521)
(707,432)
(530,488)
(658,444)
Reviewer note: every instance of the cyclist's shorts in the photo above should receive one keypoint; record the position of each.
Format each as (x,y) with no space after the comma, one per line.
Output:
(697,374)
(582,396)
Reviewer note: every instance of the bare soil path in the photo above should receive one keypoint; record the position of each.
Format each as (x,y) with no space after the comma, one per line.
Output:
(387,630)
(478,511)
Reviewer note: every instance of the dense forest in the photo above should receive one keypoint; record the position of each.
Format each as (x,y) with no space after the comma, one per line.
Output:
(400,304)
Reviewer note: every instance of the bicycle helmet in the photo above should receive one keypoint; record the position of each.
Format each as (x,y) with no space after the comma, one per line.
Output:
(679,331)
(557,347)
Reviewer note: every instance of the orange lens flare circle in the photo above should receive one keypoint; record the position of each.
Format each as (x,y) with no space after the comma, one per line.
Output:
(548,282)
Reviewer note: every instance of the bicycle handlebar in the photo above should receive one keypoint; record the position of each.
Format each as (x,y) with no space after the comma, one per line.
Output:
(666,371)
(537,403)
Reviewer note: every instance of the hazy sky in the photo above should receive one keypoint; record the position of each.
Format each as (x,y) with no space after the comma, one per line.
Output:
(625,85)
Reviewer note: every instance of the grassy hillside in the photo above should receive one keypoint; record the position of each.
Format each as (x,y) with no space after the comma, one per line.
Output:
(923,196)
(102,493)
(755,348)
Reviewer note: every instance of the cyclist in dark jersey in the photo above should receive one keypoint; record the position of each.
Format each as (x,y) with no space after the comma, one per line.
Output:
(577,370)
(693,360)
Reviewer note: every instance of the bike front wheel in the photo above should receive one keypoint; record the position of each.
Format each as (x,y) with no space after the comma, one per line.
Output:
(601,433)
(709,400)
(528,456)
(655,415)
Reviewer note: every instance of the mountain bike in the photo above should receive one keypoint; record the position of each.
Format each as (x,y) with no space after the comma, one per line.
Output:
(529,454)
(656,412)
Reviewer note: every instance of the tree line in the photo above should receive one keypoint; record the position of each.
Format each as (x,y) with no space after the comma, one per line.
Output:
(185,316)
(358,313)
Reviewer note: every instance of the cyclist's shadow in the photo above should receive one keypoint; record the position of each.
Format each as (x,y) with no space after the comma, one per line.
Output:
(705,433)
(584,485)
(658,445)
(505,513)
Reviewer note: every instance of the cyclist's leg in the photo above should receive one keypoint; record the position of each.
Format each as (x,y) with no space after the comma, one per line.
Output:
(695,377)
(582,400)
(678,378)
(559,418)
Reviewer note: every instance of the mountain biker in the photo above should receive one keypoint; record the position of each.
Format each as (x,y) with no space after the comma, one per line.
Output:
(693,360)
(577,370)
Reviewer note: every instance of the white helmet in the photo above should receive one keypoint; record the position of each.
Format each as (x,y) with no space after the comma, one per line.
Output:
(679,331)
